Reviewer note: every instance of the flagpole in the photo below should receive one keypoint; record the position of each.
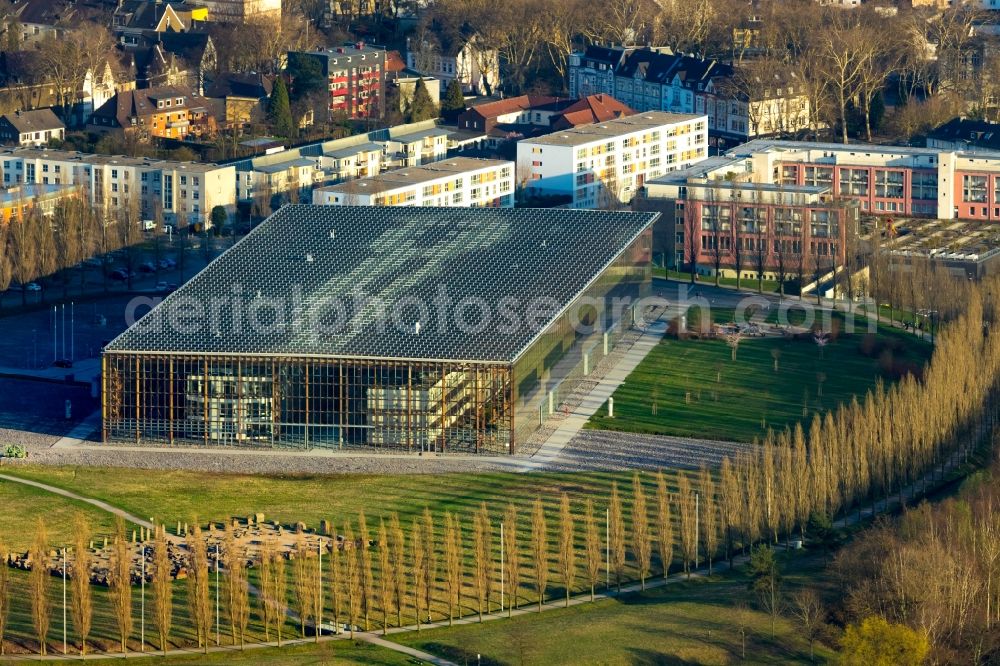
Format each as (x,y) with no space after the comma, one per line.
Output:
(217,593)
(501,568)
(65,643)
(142,602)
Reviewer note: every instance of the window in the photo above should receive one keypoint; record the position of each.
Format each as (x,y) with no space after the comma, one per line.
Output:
(923,185)
(974,189)
(889,184)
(818,175)
(854,182)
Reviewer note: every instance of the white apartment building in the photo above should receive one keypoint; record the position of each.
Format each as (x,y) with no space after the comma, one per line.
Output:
(459,181)
(603,165)
(183,192)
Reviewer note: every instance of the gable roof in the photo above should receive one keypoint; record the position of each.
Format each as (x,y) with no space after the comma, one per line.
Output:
(64,12)
(188,45)
(512,105)
(656,67)
(143,14)
(597,108)
(128,104)
(971,132)
(38,120)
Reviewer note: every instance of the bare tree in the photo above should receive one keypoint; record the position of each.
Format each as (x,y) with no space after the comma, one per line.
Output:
(397,546)
(689,526)
(709,517)
(567,545)
(616,538)
(4,595)
(352,578)
(302,588)
(430,562)
(539,549)
(367,580)
(453,564)
(41,605)
(593,547)
(82,605)
(418,568)
(162,591)
(482,538)
(120,583)
(512,563)
(337,579)
(642,545)
(198,587)
(809,613)
(387,576)
(664,524)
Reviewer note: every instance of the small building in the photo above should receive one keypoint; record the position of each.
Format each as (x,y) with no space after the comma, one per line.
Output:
(476,67)
(31,128)
(534,110)
(16,202)
(599,108)
(243,95)
(458,181)
(965,134)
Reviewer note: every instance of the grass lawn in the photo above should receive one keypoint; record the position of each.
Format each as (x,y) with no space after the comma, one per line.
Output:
(686,623)
(23,505)
(698,391)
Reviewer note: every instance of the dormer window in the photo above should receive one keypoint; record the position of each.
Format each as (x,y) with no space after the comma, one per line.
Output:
(180,101)
(159,105)
(168,102)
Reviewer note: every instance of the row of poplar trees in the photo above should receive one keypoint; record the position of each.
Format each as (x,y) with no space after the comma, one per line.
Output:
(899,437)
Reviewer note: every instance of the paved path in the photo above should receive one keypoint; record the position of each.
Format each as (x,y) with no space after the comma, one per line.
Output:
(80,432)
(552,448)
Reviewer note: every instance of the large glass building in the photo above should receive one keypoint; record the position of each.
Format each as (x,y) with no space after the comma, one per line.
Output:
(421,329)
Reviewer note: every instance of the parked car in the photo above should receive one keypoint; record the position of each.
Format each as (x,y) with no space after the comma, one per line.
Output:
(147,267)
(119,274)
(169,228)
(166,264)
(62,363)
(32,286)
(94,261)
(161,286)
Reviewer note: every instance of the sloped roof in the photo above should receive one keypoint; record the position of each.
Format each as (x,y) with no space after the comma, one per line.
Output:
(134,103)
(656,67)
(532,263)
(235,84)
(38,120)
(972,132)
(591,109)
(512,105)
(188,45)
(65,12)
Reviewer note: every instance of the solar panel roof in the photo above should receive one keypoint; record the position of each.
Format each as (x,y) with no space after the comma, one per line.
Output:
(389,282)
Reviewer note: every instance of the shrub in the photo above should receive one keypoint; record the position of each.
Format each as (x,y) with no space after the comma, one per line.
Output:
(15,451)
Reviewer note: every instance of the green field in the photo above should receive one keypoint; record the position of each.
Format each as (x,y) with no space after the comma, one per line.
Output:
(687,623)
(768,286)
(693,388)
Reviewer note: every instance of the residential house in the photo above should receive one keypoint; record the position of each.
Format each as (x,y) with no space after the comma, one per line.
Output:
(167,112)
(355,76)
(35,20)
(655,79)
(136,23)
(476,67)
(21,91)
(965,134)
(598,108)
(244,97)
(603,165)
(459,181)
(175,59)
(532,110)
(31,128)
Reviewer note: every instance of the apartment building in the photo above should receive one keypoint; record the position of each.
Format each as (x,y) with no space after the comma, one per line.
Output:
(166,112)
(603,165)
(737,227)
(459,181)
(885,180)
(16,202)
(355,76)
(656,79)
(337,160)
(182,192)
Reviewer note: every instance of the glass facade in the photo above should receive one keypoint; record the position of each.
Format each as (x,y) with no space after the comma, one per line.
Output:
(303,402)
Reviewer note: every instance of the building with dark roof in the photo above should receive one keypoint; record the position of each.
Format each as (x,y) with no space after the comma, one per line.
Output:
(656,79)
(421,329)
(169,112)
(965,134)
(31,128)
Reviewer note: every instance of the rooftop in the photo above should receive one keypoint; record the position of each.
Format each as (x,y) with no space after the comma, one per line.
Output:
(390,180)
(318,277)
(94,158)
(38,120)
(583,134)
